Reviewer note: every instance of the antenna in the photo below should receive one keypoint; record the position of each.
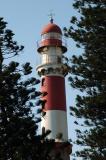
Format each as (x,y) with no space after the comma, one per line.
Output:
(51,16)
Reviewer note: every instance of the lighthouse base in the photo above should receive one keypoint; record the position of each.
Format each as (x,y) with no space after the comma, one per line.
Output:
(61,151)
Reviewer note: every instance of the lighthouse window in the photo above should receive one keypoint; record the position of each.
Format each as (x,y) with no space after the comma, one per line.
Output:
(43,130)
(43,79)
(59,59)
(51,35)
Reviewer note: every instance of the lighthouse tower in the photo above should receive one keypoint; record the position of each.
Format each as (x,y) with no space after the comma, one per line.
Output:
(53,71)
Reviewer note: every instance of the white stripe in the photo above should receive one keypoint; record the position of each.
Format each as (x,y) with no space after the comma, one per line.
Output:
(52,35)
(56,121)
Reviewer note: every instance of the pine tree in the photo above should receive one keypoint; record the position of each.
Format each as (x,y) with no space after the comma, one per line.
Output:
(18,125)
(89,76)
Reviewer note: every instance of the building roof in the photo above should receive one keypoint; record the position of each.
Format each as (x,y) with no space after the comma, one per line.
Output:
(51,27)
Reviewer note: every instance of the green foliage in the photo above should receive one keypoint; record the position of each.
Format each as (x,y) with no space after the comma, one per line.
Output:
(18,125)
(89,76)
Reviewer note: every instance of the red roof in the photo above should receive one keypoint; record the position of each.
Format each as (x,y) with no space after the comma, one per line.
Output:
(51,27)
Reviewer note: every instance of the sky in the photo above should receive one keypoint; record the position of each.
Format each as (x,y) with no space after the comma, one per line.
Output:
(26,18)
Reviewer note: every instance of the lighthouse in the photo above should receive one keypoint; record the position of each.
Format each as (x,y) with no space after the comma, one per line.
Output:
(52,71)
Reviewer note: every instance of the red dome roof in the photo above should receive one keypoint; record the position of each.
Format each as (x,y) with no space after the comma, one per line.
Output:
(51,27)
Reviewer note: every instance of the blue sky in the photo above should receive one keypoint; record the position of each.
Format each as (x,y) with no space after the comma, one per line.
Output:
(27,18)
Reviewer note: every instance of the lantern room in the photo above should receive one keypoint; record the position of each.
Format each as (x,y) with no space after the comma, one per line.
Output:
(51,35)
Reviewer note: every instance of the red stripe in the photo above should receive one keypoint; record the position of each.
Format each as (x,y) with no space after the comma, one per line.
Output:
(50,42)
(55,87)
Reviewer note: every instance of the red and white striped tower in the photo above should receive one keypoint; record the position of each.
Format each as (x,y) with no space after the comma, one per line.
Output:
(53,72)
